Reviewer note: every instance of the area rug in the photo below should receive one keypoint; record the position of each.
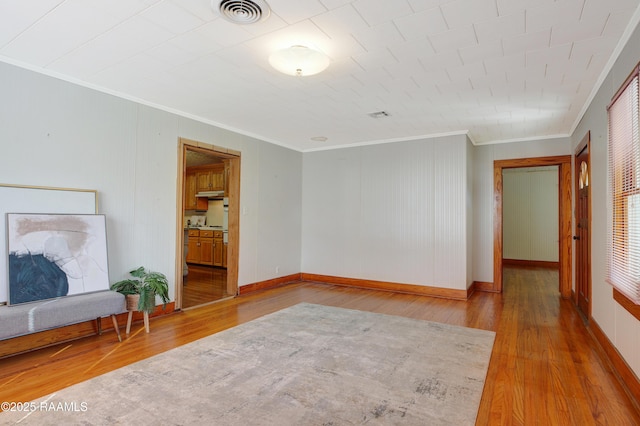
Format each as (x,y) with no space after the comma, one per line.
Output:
(305,365)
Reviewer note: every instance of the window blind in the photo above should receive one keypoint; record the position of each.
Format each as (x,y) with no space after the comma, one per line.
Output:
(623,266)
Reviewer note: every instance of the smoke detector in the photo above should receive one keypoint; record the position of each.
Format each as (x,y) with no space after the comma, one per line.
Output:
(242,11)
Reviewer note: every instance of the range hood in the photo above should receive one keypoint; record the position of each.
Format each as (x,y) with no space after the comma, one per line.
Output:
(212,195)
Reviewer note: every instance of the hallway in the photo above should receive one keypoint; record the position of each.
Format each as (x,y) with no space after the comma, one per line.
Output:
(546,369)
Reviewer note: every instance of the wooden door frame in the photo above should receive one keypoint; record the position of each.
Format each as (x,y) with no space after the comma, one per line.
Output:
(585,143)
(233,246)
(564,215)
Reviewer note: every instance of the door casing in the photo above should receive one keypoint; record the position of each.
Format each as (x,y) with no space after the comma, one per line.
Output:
(564,216)
(234,211)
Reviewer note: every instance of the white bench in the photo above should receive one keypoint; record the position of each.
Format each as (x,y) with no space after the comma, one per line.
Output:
(27,318)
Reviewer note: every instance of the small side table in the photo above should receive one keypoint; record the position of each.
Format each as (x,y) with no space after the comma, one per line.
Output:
(146,321)
(131,305)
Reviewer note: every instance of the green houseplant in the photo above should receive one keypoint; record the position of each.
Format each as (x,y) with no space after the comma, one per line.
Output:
(146,284)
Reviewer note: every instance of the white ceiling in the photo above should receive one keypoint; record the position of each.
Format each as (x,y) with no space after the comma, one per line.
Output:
(501,70)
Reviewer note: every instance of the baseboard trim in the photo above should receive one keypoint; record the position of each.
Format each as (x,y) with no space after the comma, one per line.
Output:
(485,286)
(621,369)
(531,263)
(445,293)
(267,284)
(68,333)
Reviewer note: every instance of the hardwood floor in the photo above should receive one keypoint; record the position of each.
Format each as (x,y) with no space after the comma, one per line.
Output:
(203,284)
(545,369)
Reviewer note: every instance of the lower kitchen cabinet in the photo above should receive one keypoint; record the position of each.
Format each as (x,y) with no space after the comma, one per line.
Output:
(206,247)
(200,247)
(193,246)
(218,248)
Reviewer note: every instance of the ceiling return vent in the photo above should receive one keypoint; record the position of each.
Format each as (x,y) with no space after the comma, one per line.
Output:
(242,11)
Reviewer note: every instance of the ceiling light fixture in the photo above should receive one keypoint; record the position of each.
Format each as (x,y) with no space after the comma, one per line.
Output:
(242,11)
(299,61)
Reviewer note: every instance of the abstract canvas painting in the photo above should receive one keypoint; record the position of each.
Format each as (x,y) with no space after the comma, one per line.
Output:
(55,255)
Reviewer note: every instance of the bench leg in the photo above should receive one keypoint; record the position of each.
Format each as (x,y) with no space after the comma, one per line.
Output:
(146,321)
(115,327)
(129,318)
(99,325)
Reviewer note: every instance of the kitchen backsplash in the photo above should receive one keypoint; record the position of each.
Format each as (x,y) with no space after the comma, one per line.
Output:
(213,216)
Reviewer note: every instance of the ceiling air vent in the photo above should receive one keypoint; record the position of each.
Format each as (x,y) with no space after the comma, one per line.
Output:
(242,11)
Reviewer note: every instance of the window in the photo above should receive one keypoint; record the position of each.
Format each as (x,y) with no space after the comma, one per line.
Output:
(623,270)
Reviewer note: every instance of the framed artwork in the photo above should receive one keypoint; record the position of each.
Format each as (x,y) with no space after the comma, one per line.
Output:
(55,255)
(38,199)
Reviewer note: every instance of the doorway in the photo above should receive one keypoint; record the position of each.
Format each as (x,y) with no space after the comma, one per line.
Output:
(530,216)
(564,213)
(207,226)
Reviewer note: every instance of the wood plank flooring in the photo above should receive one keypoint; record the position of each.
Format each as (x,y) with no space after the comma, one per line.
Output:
(203,284)
(544,370)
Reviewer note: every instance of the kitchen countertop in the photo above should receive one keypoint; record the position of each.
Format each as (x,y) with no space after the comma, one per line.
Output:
(206,228)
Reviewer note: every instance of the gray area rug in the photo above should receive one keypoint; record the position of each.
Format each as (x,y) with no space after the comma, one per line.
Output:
(304,365)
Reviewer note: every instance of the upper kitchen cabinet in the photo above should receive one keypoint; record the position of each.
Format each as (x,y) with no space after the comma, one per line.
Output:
(209,178)
(190,191)
(202,178)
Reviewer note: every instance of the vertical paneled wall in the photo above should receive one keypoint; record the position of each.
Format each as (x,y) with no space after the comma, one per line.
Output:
(54,133)
(470,209)
(530,213)
(279,211)
(483,192)
(391,212)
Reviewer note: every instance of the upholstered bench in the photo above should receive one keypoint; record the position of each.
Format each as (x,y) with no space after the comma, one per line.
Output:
(18,320)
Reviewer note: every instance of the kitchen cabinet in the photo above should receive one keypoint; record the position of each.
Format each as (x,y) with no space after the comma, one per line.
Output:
(206,247)
(202,178)
(200,247)
(217,180)
(191,202)
(193,245)
(218,248)
(190,191)
(210,178)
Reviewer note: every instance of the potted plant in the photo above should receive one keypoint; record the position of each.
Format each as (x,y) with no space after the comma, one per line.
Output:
(144,286)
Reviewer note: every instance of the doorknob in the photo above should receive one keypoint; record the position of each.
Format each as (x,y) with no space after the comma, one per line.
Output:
(576,237)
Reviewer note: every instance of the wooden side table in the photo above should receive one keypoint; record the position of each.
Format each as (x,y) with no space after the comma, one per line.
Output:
(132,304)
(146,321)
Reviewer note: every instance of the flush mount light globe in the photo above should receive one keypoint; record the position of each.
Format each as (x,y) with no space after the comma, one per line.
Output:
(299,61)
(242,11)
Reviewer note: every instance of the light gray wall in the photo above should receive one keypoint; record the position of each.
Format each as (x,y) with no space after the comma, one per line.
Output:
(470,208)
(530,216)
(485,155)
(54,133)
(394,212)
(621,328)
